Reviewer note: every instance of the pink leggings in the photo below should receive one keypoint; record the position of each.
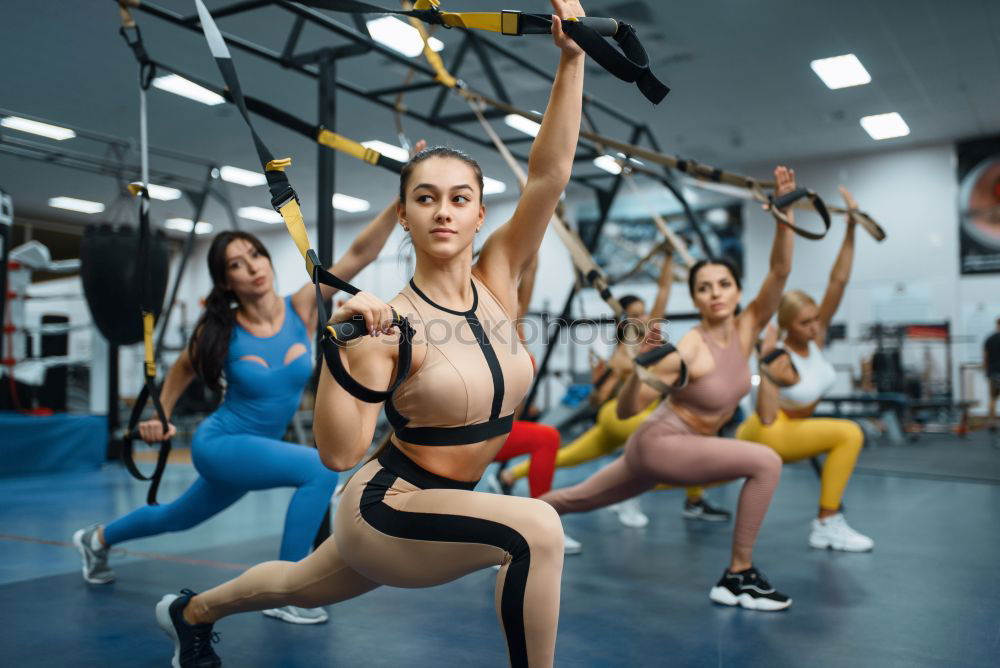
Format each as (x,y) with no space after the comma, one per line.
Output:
(664,449)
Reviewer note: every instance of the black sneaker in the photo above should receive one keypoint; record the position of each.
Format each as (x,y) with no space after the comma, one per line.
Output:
(749,589)
(701,510)
(192,642)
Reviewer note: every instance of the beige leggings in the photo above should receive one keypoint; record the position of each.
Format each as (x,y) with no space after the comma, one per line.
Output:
(402,526)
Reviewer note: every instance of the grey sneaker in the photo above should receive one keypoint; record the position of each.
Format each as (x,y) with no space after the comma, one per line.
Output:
(295,615)
(95,562)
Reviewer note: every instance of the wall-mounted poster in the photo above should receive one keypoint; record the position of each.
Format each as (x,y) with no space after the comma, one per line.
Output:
(979,205)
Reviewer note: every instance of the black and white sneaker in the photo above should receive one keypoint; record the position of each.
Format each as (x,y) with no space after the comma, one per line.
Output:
(749,589)
(702,510)
(192,642)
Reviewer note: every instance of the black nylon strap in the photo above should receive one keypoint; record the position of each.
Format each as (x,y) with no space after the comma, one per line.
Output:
(817,203)
(631,64)
(147,393)
(652,357)
(331,353)
(773,355)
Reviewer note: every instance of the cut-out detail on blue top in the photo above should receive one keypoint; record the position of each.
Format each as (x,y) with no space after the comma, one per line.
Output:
(262,399)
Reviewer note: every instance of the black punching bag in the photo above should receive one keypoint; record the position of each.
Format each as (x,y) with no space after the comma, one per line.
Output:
(108,259)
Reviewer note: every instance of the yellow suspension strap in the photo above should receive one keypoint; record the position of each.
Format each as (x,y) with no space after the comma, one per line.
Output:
(625,59)
(286,202)
(150,393)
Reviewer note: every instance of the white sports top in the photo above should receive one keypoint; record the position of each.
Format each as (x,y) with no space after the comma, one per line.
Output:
(816,378)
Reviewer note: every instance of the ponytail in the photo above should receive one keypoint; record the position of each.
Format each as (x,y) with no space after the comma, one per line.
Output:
(209,346)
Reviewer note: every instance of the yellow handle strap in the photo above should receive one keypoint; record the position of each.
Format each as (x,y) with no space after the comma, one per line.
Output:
(442,75)
(291,213)
(148,324)
(348,146)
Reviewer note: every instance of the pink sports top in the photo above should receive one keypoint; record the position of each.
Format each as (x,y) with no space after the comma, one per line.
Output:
(718,392)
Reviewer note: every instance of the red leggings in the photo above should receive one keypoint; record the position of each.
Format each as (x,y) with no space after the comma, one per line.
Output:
(541,441)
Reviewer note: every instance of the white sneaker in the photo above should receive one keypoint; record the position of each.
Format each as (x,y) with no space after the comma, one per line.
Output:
(630,513)
(295,615)
(834,533)
(571,546)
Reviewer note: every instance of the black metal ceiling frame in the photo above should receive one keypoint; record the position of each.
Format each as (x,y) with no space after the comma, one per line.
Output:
(113,164)
(318,64)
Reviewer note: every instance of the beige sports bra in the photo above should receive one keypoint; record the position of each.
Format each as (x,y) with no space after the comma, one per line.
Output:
(474,374)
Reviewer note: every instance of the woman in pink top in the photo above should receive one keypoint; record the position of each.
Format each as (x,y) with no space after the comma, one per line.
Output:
(677,444)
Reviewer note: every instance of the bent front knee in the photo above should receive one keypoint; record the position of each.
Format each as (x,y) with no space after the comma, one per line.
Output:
(543,529)
(854,436)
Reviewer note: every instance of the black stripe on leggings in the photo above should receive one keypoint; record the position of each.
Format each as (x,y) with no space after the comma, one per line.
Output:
(459,529)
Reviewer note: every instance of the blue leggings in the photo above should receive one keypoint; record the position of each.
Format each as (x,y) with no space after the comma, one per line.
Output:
(229,466)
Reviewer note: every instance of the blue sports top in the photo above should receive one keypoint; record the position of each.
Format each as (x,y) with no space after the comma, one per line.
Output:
(262,399)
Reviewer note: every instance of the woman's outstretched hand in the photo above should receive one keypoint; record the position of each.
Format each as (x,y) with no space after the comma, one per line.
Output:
(565,9)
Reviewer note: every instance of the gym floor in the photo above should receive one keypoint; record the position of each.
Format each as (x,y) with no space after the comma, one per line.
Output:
(927,596)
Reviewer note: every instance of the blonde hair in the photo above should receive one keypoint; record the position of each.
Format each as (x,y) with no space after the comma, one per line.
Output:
(789,307)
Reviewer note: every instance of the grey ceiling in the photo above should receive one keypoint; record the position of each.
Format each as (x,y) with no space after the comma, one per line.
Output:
(743,90)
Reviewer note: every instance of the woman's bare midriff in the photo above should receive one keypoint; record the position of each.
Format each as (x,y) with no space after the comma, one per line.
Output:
(800,412)
(465,463)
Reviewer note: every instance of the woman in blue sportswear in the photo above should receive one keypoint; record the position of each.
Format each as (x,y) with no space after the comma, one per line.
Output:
(262,349)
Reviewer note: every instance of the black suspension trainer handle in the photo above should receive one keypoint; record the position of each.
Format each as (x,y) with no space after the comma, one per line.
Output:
(335,336)
(147,393)
(790,198)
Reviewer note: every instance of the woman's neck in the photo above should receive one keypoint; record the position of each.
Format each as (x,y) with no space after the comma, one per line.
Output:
(720,330)
(263,310)
(800,348)
(446,282)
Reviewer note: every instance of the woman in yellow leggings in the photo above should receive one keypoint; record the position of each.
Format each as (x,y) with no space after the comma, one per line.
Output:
(609,433)
(794,379)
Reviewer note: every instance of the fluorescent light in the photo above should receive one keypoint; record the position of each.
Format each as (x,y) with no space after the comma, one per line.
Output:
(162,193)
(388,150)
(73,204)
(243,177)
(608,163)
(37,128)
(184,225)
(885,126)
(841,71)
(400,36)
(493,187)
(525,125)
(259,214)
(350,204)
(180,86)
(717,216)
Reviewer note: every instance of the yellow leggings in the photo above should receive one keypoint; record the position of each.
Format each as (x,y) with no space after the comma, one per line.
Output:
(796,439)
(606,436)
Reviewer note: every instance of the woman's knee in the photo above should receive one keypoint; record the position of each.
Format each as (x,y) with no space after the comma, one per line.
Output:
(542,528)
(853,435)
(769,462)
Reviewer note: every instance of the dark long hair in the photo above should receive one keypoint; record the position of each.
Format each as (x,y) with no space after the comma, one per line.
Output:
(439,152)
(209,345)
(620,328)
(693,273)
